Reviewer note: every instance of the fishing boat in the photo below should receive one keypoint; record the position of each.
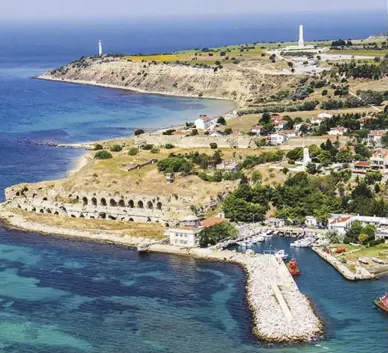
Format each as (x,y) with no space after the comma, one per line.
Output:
(293,267)
(382,303)
(281,254)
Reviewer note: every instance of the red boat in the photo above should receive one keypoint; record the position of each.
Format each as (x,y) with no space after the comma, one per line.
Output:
(382,303)
(293,267)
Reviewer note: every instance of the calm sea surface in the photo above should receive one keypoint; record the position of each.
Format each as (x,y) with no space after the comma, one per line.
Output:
(63,296)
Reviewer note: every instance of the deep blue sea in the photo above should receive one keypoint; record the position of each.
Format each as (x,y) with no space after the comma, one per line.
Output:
(64,296)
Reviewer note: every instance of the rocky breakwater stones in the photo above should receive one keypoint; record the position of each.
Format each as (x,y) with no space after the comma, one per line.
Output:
(281,312)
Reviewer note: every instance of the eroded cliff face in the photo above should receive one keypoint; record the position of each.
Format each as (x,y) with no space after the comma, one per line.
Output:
(235,83)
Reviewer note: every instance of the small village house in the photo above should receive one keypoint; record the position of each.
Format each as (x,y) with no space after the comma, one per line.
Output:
(276,222)
(277,139)
(311,222)
(256,129)
(374,138)
(379,159)
(203,123)
(338,131)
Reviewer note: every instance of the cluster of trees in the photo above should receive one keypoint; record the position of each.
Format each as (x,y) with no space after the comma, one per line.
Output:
(305,195)
(360,234)
(364,70)
(185,162)
(341,43)
(220,175)
(212,235)
(262,158)
(305,106)
(364,98)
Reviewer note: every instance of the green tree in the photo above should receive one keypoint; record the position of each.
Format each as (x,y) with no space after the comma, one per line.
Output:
(221,120)
(103,155)
(116,148)
(384,141)
(212,235)
(133,151)
(372,177)
(344,156)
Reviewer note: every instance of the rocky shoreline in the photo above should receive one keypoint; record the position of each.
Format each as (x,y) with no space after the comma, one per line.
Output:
(281,313)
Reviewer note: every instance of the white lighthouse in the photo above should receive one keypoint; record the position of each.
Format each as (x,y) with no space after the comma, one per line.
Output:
(301,37)
(99,48)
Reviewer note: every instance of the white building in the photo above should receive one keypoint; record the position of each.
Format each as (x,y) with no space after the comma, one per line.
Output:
(186,236)
(203,123)
(276,222)
(325,116)
(379,159)
(256,129)
(277,139)
(338,131)
(290,133)
(311,222)
(340,223)
(374,138)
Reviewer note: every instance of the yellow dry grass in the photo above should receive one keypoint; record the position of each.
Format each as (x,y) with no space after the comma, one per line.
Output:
(164,57)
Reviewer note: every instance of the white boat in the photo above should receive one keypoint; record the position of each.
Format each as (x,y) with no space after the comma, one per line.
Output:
(378,261)
(282,254)
(364,260)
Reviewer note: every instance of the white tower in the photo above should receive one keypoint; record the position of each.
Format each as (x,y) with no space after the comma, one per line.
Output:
(301,37)
(99,48)
(306,157)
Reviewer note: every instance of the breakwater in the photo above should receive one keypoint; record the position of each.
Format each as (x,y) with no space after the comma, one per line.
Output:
(281,312)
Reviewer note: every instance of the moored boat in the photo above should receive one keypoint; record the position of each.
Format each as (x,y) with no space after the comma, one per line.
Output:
(293,267)
(382,303)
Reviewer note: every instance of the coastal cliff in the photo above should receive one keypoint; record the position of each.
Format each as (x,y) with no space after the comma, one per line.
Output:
(240,84)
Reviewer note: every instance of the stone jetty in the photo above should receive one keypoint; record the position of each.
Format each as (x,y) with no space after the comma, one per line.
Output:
(281,313)
(360,274)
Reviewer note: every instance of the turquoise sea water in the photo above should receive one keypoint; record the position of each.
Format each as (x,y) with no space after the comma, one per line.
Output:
(65,296)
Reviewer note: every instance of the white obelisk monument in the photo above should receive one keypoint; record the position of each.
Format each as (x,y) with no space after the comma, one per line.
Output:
(99,48)
(301,37)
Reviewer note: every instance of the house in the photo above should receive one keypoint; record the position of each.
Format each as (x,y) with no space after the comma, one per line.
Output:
(279,124)
(290,133)
(365,119)
(340,223)
(256,129)
(317,121)
(277,139)
(379,159)
(203,123)
(186,236)
(361,167)
(276,222)
(311,222)
(374,138)
(338,131)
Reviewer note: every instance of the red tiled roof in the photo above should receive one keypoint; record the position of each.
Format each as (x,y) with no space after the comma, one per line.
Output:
(378,133)
(362,164)
(210,222)
(340,220)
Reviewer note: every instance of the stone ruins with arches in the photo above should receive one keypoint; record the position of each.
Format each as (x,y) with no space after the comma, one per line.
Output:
(167,210)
